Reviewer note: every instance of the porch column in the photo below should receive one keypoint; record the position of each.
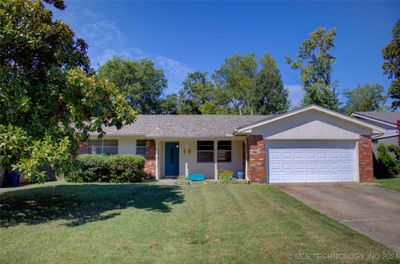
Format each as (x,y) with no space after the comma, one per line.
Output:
(157,156)
(246,162)
(186,160)
(215,159)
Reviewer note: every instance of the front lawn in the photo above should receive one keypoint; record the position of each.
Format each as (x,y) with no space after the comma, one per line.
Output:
(150,223)
(393,183)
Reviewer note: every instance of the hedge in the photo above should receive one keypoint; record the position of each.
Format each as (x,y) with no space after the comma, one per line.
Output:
(99,168)
(389,161)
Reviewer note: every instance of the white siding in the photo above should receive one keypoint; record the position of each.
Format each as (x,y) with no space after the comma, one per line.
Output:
(311,125)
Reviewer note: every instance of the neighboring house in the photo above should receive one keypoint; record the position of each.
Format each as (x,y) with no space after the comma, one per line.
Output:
(310,144)
(389,121)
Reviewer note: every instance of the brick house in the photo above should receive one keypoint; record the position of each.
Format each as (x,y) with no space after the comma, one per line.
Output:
(309,144)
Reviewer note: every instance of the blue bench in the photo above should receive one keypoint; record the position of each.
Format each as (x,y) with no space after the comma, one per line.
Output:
(196,177)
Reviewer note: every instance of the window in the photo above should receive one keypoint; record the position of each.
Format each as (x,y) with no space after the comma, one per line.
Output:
(224,151)
(106,147)
(141,147)
(205,151)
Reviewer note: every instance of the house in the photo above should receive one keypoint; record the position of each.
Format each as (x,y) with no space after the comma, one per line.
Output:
(389,121)
(310,144)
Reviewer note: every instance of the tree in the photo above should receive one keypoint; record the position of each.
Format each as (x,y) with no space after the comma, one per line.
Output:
(169,105)
(236,79)
(316,65)
(48,99)
(247,87)
(391,66)
(271,97)
(197,90)
(369,97)
(140,82)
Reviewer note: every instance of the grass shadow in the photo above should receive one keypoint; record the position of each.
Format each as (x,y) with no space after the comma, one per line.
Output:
(83,203)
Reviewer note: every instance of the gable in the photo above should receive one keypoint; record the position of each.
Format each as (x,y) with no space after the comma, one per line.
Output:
(312,124)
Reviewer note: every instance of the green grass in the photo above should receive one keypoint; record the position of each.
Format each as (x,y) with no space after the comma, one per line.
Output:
(150,223)
(393,183)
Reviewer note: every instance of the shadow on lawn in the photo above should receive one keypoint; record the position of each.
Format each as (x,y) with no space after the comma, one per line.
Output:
(81,204)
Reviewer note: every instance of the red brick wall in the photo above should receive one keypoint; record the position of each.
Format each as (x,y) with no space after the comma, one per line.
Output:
(150,163)
(83,148)
(256,158)
(366,166)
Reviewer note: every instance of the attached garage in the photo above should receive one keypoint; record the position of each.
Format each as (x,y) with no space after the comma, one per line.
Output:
(310,144)
(311,161)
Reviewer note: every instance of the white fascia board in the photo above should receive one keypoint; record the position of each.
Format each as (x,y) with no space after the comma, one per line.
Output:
(374,119)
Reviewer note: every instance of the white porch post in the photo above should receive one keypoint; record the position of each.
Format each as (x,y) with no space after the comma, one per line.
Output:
(157,156)
(186,160)
(215,159)
(246,163)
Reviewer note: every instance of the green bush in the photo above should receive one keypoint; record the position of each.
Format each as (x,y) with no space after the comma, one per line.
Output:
(389,163)
(99,168)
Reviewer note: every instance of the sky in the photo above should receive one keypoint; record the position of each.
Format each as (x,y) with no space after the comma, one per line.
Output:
(184,36)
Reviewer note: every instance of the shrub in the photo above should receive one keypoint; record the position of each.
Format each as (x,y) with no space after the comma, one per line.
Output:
(389,163)
(99,168)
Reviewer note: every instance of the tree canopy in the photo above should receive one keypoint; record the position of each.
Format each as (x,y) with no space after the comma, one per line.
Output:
(391,66)
(368,97)
(197,90)
(139,81)
(49,99)
(315,63)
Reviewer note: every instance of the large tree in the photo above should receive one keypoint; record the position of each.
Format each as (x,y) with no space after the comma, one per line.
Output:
(197,89)
(237,80)
(315,63)
(48,99)
(245,86)
(140,82)
(391,67)
(368,97)
(271,97)
(169,104)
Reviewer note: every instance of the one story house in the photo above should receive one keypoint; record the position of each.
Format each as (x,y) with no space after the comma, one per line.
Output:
(309,144)
(389,121)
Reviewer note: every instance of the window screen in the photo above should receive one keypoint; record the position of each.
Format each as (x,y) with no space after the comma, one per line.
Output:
(141,147)
(106,147)
(205,151)
(224,151)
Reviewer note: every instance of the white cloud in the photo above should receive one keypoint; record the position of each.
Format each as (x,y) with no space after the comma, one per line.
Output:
(102,34)
(106,40)
(175,71)
(295,94)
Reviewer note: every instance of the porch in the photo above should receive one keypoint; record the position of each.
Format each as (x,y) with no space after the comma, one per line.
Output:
(178,157)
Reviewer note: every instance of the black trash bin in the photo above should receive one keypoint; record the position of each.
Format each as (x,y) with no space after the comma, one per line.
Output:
(12,178)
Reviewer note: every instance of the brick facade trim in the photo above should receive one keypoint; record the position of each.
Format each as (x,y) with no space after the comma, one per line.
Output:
(365,159)
(150,156)
(256,158)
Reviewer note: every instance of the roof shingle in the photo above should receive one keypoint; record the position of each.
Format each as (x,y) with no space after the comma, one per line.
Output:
(185,125)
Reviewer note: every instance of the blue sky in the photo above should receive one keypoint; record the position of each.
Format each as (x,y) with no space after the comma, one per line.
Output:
(184,36)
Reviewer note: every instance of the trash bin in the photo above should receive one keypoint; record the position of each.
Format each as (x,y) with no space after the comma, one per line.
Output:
(12,178)
(240,175)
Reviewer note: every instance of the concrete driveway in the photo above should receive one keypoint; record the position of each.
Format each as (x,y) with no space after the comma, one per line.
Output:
(369,209)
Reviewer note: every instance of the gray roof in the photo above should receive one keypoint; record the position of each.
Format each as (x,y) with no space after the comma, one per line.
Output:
(390,117)
(185,125)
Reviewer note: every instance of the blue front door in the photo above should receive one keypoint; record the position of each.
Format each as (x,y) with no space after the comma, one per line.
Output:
(172,158)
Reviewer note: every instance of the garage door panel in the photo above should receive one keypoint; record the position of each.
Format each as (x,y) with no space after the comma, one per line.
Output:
(302,164)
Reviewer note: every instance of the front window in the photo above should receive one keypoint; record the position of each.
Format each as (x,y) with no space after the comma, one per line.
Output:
(141,147)
(205,151)
(106,147)
(224,151)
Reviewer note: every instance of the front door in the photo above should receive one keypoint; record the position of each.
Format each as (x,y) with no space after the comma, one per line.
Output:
(171,158)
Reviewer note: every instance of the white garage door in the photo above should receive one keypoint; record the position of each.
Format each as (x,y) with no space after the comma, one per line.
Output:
(311,161)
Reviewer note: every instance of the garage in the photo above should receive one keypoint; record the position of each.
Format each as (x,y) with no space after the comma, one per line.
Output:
(311,161)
